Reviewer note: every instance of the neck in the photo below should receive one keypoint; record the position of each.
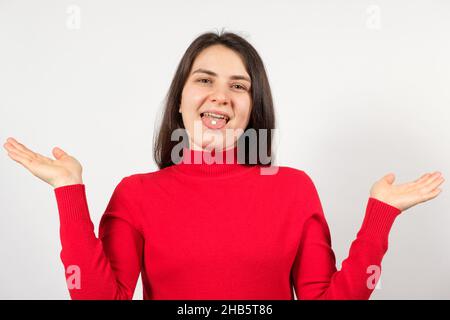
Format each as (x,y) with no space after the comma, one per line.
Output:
(214,163)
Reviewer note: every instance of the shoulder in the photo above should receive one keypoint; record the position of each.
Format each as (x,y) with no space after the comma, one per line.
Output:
(298,181)
(295,175)
(288,176)
(131,184)
(141,180)
(130,181)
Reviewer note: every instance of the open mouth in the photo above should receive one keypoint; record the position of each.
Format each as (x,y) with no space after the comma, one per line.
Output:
(214,120)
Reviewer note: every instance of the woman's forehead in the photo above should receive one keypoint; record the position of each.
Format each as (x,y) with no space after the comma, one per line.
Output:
(220,60)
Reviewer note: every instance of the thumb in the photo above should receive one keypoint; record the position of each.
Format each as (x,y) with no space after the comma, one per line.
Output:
(389,178)
(58,153)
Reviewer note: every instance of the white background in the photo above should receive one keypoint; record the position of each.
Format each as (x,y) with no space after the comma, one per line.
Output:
(361,89)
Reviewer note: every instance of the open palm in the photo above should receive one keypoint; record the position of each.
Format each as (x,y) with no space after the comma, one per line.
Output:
(406,195)
(64,170)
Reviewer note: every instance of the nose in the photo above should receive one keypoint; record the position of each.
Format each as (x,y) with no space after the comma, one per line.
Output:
(219,97)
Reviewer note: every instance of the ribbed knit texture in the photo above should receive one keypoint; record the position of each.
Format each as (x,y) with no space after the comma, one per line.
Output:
(216,230)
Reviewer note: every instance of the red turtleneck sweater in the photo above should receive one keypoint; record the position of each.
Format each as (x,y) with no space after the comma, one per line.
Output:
(216,231)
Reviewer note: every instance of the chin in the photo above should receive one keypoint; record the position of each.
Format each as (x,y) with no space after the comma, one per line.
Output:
(211,146)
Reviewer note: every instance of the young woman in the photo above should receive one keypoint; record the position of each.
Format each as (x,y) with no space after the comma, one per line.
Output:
(214,228)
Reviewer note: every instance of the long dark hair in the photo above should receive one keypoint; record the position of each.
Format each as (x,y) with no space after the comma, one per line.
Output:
(262,115)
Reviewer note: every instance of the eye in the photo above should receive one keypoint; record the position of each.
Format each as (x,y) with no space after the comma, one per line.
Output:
(240,86)
(200,80)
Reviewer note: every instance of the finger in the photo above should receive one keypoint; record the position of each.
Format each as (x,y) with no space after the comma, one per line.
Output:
(389,178)
(428,190)
(431,179)
(20,159)
(10,148)
(422,178)
(21,147)
(434,184)
(433,194)
(414,185)
(423,181)
(58,152)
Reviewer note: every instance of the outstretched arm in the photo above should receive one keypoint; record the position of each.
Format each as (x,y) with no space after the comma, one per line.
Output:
(314,272)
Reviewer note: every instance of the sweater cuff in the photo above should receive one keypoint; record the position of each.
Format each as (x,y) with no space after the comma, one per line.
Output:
(378,219)
(72,203)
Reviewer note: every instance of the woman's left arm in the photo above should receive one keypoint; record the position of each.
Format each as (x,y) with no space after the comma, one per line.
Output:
(314,270)
(407,195)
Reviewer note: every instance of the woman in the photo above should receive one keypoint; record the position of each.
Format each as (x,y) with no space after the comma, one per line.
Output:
(214,228)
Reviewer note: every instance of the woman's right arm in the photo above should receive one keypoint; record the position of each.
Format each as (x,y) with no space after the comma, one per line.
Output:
(103,268)
(106,267)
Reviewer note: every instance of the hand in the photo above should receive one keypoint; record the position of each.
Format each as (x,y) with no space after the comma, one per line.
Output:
(406,195)
(63,171)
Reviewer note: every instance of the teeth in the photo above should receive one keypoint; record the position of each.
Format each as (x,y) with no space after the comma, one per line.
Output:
(214,115)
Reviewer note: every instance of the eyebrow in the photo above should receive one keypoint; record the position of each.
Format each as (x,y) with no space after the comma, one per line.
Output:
(211,73)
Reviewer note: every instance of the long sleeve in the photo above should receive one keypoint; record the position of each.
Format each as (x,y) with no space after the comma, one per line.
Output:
(314,270)
(106,267)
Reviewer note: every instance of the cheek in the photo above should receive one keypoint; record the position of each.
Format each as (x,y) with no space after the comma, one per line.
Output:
(192,96)
(243,109)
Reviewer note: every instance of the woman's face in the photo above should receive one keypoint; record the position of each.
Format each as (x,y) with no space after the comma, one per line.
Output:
(217,83)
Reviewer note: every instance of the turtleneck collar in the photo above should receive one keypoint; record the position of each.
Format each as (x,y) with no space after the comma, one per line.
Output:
(204,163)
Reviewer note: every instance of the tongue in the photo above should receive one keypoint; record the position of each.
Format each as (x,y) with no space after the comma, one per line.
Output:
(213,123)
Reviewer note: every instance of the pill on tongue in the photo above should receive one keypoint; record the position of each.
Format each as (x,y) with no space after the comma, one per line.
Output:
(213,123)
